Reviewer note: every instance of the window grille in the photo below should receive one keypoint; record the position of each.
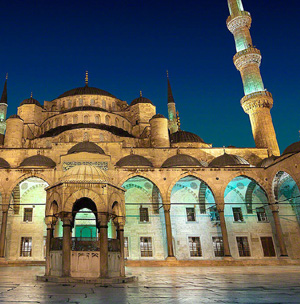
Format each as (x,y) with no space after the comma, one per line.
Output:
(243,246)
(218,246)
(144,214)
(237,214)
(195,248)
(190,214)
(261,214)
(26,247)
(146,246)
(126,247)
(27,215)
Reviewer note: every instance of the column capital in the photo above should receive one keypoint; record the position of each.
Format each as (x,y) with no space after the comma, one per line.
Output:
(166,206)
(274,207)
(103,218)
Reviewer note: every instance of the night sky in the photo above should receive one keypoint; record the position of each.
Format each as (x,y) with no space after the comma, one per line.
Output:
(127,46)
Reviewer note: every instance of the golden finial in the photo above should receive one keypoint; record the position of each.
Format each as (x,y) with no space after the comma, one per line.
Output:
(167,74)
(178,120)
(6,76)
(31,95)
(224,150)
(86,78)
(141,94)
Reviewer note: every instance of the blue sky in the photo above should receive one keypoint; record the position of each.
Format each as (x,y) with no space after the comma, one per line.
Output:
(127,46)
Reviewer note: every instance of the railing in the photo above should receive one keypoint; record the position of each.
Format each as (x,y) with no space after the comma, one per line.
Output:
(256,94)
(243,13)
(85,244)
(249,50)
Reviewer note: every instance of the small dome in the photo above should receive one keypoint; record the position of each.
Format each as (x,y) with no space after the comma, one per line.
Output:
(30,101)
(134,160)
(184,136)
(267,161)
(38,161)
(15,116)
(181,160)
(86,90)
(158,116)
(141,99)
(293,148)
(228,160)
(85,173)
(86,146)
(4,164)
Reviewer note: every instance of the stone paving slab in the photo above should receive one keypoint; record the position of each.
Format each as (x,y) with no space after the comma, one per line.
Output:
(247,285)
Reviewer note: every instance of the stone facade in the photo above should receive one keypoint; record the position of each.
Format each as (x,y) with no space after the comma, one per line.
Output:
(89,165)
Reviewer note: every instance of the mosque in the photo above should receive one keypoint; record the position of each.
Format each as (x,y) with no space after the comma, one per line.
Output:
(90,182)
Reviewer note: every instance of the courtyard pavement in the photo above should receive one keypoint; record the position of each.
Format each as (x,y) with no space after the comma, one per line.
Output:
(261,284)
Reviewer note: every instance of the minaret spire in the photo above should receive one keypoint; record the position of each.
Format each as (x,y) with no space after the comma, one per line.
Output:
(173,126)
(3,108)
(257,101)
(4,94)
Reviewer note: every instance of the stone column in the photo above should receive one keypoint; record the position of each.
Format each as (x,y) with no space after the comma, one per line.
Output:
(120,236)
(50,229)
(167,208)
(103,218)
(224,231)
(279,233)
(3,233)
(3,228)
(66,252)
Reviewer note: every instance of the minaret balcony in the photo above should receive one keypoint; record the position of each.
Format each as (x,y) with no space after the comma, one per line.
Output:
(248,56)
(261,99)
(238,21)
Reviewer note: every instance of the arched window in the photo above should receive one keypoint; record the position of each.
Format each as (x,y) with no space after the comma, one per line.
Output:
(123,124)
(97,119)
(107,120)
(70,104)
(80,102)
(59,121)
(75,119)
(92,102)
(103,104)
(113,105)
(86,136)
(65,120)
(85,119)
(101,137)
(117,122)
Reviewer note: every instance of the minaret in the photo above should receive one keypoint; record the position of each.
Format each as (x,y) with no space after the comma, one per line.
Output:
(173,127)
(3,108)
(257,101)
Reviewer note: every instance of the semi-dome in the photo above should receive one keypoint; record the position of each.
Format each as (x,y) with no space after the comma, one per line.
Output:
(267,161)
(30,101)
(134,160)
(228,160)
(181,160)
(158,116)
(85,173)
(38,161)
(86,90)
(184,136)
(86,146)
(141,99)
(15,116)
(293,148)
(4,164)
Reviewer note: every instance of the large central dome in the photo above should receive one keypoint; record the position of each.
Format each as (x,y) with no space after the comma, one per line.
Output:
(86,90)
